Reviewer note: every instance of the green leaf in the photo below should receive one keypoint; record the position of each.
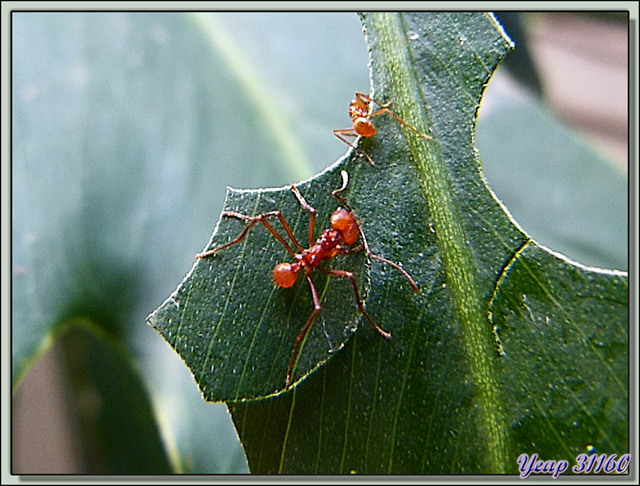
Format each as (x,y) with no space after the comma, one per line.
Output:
(115,421)
(471,377)
(90,133)
(126,129)
(232,362)
(108,128)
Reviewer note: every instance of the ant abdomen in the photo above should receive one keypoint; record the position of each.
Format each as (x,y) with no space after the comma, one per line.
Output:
(285,275)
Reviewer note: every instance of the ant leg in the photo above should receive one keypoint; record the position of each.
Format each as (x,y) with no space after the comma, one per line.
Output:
(312,215)
(347,250)
(385,109)
(303,332)
(261,218)
(399,120)
(350,133)
(414,286)
(368,99)
(354,284)
(287,229)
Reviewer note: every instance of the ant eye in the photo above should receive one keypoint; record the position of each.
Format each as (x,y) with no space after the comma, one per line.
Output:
(285,275)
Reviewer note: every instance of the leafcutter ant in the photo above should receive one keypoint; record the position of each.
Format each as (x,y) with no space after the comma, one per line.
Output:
(361,115)
(340,238)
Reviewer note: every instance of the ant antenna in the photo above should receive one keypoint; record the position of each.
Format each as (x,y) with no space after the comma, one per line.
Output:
(345,181)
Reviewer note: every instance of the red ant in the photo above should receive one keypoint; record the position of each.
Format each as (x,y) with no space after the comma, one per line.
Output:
(338,239)
(360,113)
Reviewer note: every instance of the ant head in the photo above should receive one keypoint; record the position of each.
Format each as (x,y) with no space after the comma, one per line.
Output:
(345,222)
(360,103)
(286,274)
(364,127)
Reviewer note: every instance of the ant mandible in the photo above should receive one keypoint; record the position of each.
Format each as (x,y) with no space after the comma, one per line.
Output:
(360,113)
(338,239)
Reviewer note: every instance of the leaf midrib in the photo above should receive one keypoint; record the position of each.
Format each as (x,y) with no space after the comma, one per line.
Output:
(460,266)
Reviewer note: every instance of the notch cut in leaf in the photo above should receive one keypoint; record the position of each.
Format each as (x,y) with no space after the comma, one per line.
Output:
(437,398)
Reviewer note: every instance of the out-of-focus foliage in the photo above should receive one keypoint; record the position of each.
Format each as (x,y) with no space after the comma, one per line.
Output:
(127,127)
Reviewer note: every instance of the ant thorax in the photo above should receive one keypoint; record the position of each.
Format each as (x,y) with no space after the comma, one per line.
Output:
(358,110)
(325,248)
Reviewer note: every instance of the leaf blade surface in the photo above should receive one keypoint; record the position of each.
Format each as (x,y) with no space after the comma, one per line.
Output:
(434,399)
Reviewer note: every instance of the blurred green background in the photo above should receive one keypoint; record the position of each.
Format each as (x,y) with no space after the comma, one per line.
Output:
(127,128)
